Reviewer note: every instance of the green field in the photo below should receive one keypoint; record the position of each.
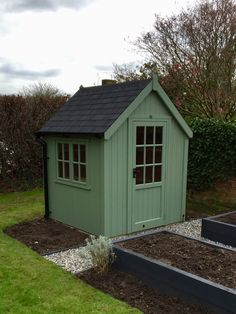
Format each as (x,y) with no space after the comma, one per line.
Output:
(29,283)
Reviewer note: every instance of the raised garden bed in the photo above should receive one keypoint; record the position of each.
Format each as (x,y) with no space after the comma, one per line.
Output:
(181,266)
(47,236)
(220,228)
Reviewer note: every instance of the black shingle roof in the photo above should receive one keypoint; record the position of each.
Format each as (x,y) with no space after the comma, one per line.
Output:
(94,109)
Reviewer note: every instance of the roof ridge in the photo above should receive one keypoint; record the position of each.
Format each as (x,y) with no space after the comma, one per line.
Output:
(116,84)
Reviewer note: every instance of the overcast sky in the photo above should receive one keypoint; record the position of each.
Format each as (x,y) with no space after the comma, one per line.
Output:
(69,43)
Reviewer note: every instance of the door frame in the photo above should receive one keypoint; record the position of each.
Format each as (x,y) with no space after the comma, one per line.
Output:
(131,122)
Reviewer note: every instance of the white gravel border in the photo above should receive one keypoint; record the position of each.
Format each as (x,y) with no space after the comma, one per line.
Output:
(78,260)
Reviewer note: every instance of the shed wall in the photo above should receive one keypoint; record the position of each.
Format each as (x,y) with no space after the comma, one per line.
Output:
(115,173)
(74,205)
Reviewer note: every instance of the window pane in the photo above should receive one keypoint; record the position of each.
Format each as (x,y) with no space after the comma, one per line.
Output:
(149,155)
(76,172)
(139,175)
(59,151)
(66,170)
(158,139)
(149,135)
(60,169)
(66,151)
(148,178)
(139,156)
(157,173)
(140,135)
(75,152)
(158,151)
(82,173)
(82,153)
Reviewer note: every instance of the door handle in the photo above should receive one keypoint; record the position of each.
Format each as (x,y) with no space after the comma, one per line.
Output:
(134,172)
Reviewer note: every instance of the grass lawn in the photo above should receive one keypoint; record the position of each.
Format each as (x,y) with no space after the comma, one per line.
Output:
(29,283)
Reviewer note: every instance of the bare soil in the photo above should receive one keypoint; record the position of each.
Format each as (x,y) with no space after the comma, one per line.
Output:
(133,291)
(229,219)
(215,264)
(46,235)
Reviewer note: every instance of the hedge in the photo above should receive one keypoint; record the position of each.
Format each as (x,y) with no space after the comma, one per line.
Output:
(212,152)
(20,118)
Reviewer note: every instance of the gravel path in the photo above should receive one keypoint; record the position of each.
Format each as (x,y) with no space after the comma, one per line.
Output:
(77,260)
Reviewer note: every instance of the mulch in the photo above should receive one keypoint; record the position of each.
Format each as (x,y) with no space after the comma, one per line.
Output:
(209,262)
(47,236)
(135,292)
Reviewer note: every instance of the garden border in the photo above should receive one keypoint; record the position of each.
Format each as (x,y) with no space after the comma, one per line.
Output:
(219,231)
(172,280)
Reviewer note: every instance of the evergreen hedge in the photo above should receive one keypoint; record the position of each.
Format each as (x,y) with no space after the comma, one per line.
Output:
(212,152)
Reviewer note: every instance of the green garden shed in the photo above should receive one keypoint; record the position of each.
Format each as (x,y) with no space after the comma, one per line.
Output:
(116,159)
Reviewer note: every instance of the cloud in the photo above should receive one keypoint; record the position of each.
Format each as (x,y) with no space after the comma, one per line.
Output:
(101,67)
(10,71)
(42,5)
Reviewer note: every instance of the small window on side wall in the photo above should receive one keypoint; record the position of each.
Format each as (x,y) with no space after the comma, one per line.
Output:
(72,162)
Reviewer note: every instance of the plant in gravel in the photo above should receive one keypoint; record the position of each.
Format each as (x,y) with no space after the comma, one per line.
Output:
(100,250)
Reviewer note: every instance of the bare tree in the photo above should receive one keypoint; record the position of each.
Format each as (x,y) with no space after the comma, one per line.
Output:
(40,89)
(195,54)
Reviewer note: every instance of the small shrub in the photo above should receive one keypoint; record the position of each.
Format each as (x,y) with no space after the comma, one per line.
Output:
(100,250)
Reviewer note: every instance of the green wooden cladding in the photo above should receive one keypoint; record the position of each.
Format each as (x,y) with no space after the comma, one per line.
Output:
(110,203)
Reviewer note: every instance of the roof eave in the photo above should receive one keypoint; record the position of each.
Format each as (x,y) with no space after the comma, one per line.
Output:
(67,134)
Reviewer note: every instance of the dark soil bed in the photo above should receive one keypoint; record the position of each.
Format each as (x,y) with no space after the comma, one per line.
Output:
(229,219)
(136,293)
(215,264)
(46,235)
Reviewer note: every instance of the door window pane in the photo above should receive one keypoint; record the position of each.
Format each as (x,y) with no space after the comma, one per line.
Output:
(158,135)
(82,153)
(148,177)
(75,152)
(149,155)
(140,135)
(139,156)
(149,134)
(67,170)
(59,151)
(82,173)
(66,151)
(139,175)
(158,152)
(76,172)
(157,174)
(60,169)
